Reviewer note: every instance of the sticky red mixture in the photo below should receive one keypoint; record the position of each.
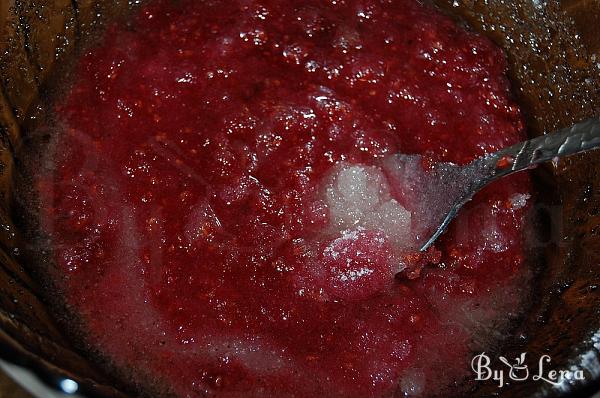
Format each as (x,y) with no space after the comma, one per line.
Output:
(191,228)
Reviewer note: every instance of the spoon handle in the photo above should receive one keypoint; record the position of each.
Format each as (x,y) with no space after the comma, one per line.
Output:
(578,138)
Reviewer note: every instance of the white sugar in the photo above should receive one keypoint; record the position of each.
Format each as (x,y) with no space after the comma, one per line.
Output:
(394,220)
(519,200)
(353,275)
(359,197)
(354,192)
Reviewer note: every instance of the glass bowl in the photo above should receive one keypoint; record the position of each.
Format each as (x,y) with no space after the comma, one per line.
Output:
(555,74)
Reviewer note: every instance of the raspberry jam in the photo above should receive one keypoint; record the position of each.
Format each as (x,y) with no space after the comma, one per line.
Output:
(226,212)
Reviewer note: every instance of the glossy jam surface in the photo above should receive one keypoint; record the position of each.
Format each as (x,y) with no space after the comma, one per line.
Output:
(223,208)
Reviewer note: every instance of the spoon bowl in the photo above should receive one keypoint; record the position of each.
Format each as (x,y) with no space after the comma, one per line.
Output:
(461,183)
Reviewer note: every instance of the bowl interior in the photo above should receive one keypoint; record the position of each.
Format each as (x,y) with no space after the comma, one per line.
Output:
(555,75)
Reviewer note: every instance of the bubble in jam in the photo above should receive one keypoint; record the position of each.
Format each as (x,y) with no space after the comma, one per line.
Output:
(235,194)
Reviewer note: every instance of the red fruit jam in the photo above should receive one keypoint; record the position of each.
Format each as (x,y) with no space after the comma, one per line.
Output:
(226,214)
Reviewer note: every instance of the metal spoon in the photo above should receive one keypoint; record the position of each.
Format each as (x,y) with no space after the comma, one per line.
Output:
(474,176)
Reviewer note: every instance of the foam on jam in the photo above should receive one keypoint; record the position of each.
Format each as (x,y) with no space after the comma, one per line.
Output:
(228,212)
